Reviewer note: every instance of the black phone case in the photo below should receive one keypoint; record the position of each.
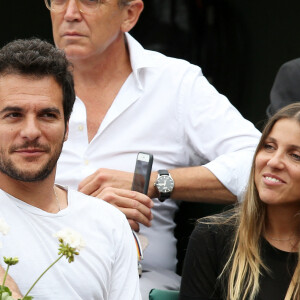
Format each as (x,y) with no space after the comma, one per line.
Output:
(142,174)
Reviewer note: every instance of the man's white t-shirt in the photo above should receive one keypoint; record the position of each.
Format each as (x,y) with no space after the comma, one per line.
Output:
(106,269)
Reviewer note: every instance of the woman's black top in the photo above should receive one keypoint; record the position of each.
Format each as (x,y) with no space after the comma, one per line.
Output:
(207,253)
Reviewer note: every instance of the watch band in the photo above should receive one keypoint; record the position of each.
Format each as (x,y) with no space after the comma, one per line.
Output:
(163,172)
(163,196)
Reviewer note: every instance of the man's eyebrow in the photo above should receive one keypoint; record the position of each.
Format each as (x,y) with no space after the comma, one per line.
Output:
(51,110)
(20,109)
(296,147)
(11,108)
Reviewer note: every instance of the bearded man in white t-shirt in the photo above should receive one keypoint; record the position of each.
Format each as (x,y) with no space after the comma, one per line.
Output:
(36,100)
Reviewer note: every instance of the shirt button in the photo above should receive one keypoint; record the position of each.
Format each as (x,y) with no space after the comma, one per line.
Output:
(86,162)
(80,127)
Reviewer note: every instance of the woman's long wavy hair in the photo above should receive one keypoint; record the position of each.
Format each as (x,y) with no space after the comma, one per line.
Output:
(244,265)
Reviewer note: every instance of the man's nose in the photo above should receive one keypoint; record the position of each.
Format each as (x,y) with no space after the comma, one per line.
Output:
(30,129)
(72,10)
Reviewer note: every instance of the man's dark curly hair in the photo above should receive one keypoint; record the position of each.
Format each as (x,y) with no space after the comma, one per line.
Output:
(37,58)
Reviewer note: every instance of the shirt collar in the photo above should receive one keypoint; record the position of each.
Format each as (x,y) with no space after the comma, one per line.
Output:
(139,58)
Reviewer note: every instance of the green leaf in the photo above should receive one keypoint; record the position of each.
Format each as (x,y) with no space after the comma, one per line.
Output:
(7,296)
(5,289)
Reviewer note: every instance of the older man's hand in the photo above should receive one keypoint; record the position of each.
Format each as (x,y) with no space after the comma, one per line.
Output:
(114,187)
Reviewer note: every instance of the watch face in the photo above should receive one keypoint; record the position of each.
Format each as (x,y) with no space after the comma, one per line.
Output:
(164,184)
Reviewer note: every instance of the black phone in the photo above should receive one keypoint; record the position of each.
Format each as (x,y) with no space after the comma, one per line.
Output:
(142,172)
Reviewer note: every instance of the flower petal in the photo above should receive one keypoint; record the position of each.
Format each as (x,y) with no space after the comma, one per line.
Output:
(71,237)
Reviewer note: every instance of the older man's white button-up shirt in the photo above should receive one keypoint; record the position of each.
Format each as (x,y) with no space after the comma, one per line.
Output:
(168,108)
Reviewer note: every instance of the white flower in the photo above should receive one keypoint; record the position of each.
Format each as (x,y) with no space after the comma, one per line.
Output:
(70,237)
(4,228)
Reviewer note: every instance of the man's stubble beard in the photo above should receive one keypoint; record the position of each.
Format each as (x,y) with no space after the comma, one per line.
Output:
(9,168)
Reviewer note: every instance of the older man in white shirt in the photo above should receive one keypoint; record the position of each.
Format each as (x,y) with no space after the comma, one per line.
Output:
(130,100)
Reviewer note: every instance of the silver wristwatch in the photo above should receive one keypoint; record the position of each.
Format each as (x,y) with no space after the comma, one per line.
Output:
(164,184)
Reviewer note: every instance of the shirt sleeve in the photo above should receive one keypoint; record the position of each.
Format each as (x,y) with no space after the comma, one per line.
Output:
(125,279)
(201,266)
(218,132)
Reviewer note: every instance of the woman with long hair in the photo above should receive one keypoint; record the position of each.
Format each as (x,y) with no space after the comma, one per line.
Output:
(252,251)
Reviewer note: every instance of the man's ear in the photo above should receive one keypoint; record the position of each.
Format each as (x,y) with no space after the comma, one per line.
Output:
(132,13)
(66,132)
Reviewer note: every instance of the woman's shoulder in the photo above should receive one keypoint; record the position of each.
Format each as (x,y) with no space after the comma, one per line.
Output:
(209,248)
(219,228)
